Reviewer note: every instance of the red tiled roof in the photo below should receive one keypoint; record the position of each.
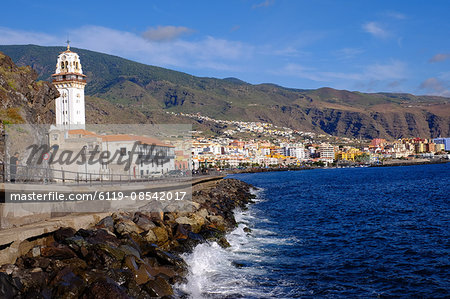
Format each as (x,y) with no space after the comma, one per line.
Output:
(121,137)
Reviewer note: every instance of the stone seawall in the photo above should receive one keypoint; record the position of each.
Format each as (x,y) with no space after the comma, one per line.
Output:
(123,255)
(12,215)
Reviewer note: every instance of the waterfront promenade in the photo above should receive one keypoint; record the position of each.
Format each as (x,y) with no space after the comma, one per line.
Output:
(21,229)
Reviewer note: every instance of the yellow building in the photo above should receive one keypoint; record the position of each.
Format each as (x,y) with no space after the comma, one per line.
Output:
(440,147)
(420,147)
(348,155)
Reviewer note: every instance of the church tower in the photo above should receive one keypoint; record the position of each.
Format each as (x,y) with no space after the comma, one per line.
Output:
(70,81)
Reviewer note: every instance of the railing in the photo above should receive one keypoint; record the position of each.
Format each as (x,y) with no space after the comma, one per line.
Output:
(44,175)
(68,79)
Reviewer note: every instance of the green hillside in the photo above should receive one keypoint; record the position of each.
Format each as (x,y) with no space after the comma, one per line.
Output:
(149,91)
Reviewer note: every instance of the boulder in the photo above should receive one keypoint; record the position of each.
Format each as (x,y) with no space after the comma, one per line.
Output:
(125,226)
(223,242)
(218,222)
(115,252)
(60,252)
(158,288)
(195,221)
(143,221)
(130,263)
(166,270)
(106,223)
(161,235)
(157,216)
(143,275)
(8,268)
(102,236)
(105,288)
(129,250)
(9,287)
(63,233)
(150,237)
(67,285)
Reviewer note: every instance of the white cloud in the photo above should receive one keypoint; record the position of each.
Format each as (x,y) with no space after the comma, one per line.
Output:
(165,33)
(16,37)
(300,71)
(394,70)
(436,87)
(265,3)
(209,52)
(396,15)
(288,51)
(235,28)
(439,57)
(445,76)
(348,53)
(376,30)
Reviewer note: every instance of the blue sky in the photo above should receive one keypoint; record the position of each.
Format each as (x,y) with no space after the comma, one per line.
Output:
(370,46)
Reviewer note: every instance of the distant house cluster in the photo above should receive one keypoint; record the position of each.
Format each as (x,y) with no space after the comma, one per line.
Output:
(223,152)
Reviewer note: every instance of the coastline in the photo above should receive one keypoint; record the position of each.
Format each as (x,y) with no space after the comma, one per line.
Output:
(387,163)
(125,255)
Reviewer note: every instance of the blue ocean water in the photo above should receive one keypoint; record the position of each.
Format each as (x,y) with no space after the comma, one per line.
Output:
(335,233)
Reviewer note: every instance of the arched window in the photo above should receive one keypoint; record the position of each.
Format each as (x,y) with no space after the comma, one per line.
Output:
(62,64)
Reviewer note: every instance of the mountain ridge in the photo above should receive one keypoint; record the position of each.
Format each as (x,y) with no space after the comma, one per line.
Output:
(147,92)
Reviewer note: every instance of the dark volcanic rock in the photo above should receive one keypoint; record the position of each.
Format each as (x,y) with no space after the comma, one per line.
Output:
(63,233)
(105,288)
(67,285)
(143,221)
(128,255)
(9,287)
(158,288)
(59,252)
(106,223)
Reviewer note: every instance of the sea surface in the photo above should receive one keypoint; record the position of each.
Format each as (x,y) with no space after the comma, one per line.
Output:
(334,233)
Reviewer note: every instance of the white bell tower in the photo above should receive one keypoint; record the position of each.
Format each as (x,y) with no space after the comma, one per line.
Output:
(70,81)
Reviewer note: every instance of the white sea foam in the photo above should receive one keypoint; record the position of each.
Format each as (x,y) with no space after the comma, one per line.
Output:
(215,272)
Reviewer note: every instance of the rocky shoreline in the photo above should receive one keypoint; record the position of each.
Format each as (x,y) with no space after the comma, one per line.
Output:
(125,255)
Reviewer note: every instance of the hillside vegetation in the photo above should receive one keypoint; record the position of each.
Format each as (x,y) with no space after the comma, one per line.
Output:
(120,90)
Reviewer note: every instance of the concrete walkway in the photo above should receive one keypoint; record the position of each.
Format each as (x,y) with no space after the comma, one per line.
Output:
(25,232)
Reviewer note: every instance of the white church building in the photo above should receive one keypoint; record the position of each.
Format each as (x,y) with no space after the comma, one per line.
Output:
(70,82)
(71,135)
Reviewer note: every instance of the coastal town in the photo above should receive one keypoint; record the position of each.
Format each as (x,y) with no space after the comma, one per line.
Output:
(266,145)
(224,149)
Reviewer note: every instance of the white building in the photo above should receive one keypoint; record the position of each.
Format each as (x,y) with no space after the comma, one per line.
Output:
(326,152)
(109,155)
(297,152)
(70,82)
(152,157)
